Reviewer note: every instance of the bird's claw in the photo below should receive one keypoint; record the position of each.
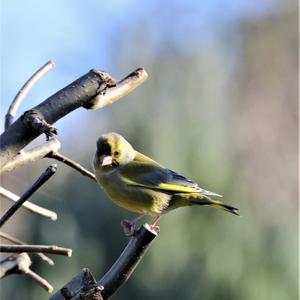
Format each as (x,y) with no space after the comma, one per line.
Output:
(128,227)
(155,228)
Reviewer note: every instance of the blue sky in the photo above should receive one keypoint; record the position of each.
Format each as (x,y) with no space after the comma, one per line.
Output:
(80,35)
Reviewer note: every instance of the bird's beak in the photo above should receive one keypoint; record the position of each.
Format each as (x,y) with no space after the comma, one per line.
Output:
(105,160)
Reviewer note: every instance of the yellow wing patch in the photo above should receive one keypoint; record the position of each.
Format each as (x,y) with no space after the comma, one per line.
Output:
(164,186)
(177,188)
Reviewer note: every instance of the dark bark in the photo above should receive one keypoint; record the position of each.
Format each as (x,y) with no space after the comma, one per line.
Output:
(75,95)
(50,171)
(93,90)
(116,276)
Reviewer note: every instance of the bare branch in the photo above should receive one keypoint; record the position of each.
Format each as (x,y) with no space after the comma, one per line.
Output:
(40,280)
(29,205)
(80,93)
(117,275)
(118,90)
(82,287)
(34,154)
(11,264)
(20,264)
(71,163)
(17,241)
(24,90)
(122,269)
(36,248)
(37,184)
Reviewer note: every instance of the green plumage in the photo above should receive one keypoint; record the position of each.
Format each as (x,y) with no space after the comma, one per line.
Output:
(139,184)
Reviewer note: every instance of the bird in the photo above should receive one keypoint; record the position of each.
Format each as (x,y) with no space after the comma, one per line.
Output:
(141,185)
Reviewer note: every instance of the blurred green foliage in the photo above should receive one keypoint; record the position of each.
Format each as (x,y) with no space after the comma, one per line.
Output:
(222,112)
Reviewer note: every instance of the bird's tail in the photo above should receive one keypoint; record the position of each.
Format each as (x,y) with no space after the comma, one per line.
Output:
(200,199)
(227,207)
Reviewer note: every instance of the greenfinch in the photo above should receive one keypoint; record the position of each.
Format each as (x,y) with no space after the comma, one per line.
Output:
(141,185)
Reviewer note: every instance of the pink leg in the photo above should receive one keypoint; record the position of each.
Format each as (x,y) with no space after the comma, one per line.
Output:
(155,220)
(153,225)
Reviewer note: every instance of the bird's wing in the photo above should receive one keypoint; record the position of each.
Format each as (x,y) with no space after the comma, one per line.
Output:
(153,176)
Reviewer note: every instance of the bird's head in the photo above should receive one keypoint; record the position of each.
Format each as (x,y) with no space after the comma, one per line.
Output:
(112,151)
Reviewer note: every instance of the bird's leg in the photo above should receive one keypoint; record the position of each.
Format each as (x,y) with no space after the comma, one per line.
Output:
(153,225)
(130,226)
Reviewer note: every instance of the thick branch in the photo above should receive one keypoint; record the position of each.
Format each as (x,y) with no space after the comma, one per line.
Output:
(36,209)
(52,249)
(18,242)
(20,264)
(34,154)
(80,93)
(122,269)
(24,90)
(34,120)
(37,184)
(71,163)
(117,275)
(118,90)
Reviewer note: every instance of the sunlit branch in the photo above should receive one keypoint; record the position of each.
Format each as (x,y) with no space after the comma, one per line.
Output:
(93,90)
(9,117)
(32,155)
(33,208)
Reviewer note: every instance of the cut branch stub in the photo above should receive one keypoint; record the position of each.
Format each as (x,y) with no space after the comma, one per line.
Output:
(113,90)
(82,286)
(33,119)
(87,91)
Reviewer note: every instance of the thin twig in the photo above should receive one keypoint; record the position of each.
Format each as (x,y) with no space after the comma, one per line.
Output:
(71,163)
(37,184)
(24,90)
(33,208)
(80,93)
(36,248)
(19,242)
(34,154)
(40,280)
(20,264)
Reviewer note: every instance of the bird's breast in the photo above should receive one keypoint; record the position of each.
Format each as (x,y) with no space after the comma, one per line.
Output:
(135,199)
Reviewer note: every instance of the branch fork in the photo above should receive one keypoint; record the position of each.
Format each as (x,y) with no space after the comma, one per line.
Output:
(33,119)
(93,90)
(87,91)
(117,275)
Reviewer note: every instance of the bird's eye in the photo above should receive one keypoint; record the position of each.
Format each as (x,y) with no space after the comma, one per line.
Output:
(116,153)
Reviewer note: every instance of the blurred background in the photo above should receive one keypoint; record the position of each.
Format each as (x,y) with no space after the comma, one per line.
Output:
(220,106)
